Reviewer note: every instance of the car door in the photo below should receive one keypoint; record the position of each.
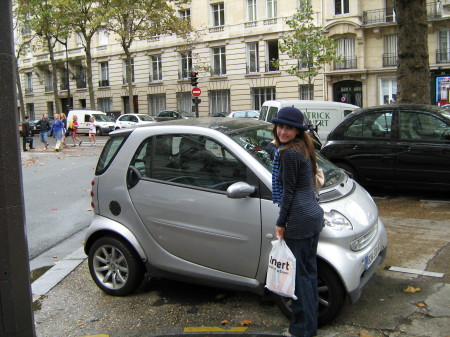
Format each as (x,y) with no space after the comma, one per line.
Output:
(124,121)
(423,151)
(182,201)
(368,144)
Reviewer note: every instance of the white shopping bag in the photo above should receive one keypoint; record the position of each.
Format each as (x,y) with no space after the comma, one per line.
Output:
(281,270)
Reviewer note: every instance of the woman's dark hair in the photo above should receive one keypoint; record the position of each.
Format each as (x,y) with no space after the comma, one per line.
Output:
(302,143)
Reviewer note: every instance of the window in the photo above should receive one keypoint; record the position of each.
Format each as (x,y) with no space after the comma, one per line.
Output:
(271,8)
(219,61)
(156,103)
(251,10)
(272,55)
(443,53)
(63,79)
(415,125)
(388,90)
(80,40)
(105,104)
(190,160)
(376,125)
(341,7)
(104,74)
(185,14)
(48,80)
(218,14)
(186,65)
(30,110)
(260,95)
(155,68)
(80,77)
(219,102)
(390,56)
(252,58)
(125,71)
(306,91)
(184,102)
(103,38)
(346,50)
(28,83)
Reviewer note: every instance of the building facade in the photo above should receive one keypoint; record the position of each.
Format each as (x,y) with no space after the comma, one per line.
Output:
(233,50)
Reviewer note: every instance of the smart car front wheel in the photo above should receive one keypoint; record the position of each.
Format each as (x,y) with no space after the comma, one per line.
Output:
(115,266)
(331,296)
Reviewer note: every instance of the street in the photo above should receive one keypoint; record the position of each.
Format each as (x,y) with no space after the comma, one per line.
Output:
(418,231)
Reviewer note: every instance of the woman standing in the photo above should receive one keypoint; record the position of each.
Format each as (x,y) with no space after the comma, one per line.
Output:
(92,131)
(58,130)
(300,218)
(73,127)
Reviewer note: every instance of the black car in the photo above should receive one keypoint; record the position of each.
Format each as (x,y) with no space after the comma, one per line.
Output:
(405,145)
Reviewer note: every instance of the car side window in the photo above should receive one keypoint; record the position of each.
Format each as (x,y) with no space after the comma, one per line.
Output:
(376,125)
(419,126)
(189,160)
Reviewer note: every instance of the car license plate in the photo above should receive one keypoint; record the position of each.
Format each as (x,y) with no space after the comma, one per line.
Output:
(372,256)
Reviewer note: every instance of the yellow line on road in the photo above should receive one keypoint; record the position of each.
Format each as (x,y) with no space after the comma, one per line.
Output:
(215,329)
(101,335)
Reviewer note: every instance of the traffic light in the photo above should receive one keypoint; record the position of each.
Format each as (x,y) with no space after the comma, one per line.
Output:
(194,79)
(196,100)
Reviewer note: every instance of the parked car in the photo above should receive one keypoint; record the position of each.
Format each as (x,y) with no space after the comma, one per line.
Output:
(245,114)
(446,106)
(167,115)
(394,145)
(191,199)
(131,120)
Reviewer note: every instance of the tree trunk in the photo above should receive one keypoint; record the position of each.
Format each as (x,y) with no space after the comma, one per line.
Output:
(130,79)
(54,76)
(87,49)
(413,70)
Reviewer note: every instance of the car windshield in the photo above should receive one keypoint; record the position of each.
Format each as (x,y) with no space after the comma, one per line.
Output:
(146,118)
(101,118)
(255,141)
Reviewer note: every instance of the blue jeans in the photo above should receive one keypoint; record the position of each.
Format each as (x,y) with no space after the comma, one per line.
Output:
(304,310)
(44,137)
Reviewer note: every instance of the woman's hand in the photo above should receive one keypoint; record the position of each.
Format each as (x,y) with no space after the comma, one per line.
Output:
(280,232)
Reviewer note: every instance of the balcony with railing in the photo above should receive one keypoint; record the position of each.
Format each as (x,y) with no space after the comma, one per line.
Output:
(219,71)
(28,90)
(48,87)
(272,67)
(387,15)
(347,63)
(390,59)
(155,77)
(443,56)
(81,84)
(103,83)
(251,69)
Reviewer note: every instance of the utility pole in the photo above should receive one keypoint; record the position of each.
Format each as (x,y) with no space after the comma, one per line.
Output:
(16,315)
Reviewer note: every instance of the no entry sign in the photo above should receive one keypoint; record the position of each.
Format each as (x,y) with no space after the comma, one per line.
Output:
(196,92)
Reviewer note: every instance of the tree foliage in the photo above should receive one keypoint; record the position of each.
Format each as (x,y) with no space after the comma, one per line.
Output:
(308,44)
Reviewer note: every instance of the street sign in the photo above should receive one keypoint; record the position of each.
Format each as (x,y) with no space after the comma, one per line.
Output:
(196,92)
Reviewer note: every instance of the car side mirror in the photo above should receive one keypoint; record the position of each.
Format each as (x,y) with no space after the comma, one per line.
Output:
(133,177)
(240,190)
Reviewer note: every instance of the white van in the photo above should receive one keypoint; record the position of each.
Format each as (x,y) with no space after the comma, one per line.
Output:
(325,114)
(103,122)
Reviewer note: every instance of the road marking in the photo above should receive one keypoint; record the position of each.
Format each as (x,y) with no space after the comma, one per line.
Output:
(101,335)
(415,271)
(215,329)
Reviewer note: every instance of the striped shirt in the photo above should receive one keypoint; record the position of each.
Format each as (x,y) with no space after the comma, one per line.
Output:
(300,211)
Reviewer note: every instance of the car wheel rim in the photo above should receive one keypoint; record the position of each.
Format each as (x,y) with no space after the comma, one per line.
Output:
(110,267)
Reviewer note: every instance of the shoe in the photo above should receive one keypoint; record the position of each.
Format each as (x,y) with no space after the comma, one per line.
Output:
(25,150)
(32,148)
(80,143)
(285,332)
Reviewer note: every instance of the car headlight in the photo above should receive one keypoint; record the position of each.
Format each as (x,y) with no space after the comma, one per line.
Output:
(337,221)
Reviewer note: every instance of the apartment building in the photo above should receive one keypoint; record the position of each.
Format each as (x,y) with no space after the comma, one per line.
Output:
(232,51)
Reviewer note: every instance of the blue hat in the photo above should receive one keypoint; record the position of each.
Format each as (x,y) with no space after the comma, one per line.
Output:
(290,116)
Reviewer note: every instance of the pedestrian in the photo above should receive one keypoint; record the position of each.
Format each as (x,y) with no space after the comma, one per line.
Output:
(73,126)
(27,134)
(65,134)
(300,218)
(44,128)
(92,131)
(57,131)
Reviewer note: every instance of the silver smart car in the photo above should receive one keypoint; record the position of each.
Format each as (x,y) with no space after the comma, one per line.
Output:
(191,199)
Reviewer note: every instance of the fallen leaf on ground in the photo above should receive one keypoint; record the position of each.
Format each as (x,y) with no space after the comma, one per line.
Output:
(363,334)
(225,322)
(246,322)
(421,305)
(411,289)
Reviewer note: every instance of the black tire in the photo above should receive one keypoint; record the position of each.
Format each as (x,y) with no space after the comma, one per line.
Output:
(99,132)
(349,169)
(115,266)
(331,296)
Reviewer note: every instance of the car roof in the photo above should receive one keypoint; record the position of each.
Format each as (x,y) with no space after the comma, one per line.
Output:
(221,124)
(421,107)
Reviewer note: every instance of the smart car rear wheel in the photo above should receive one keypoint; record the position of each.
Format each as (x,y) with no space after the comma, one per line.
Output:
(331,296)
(115,266)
